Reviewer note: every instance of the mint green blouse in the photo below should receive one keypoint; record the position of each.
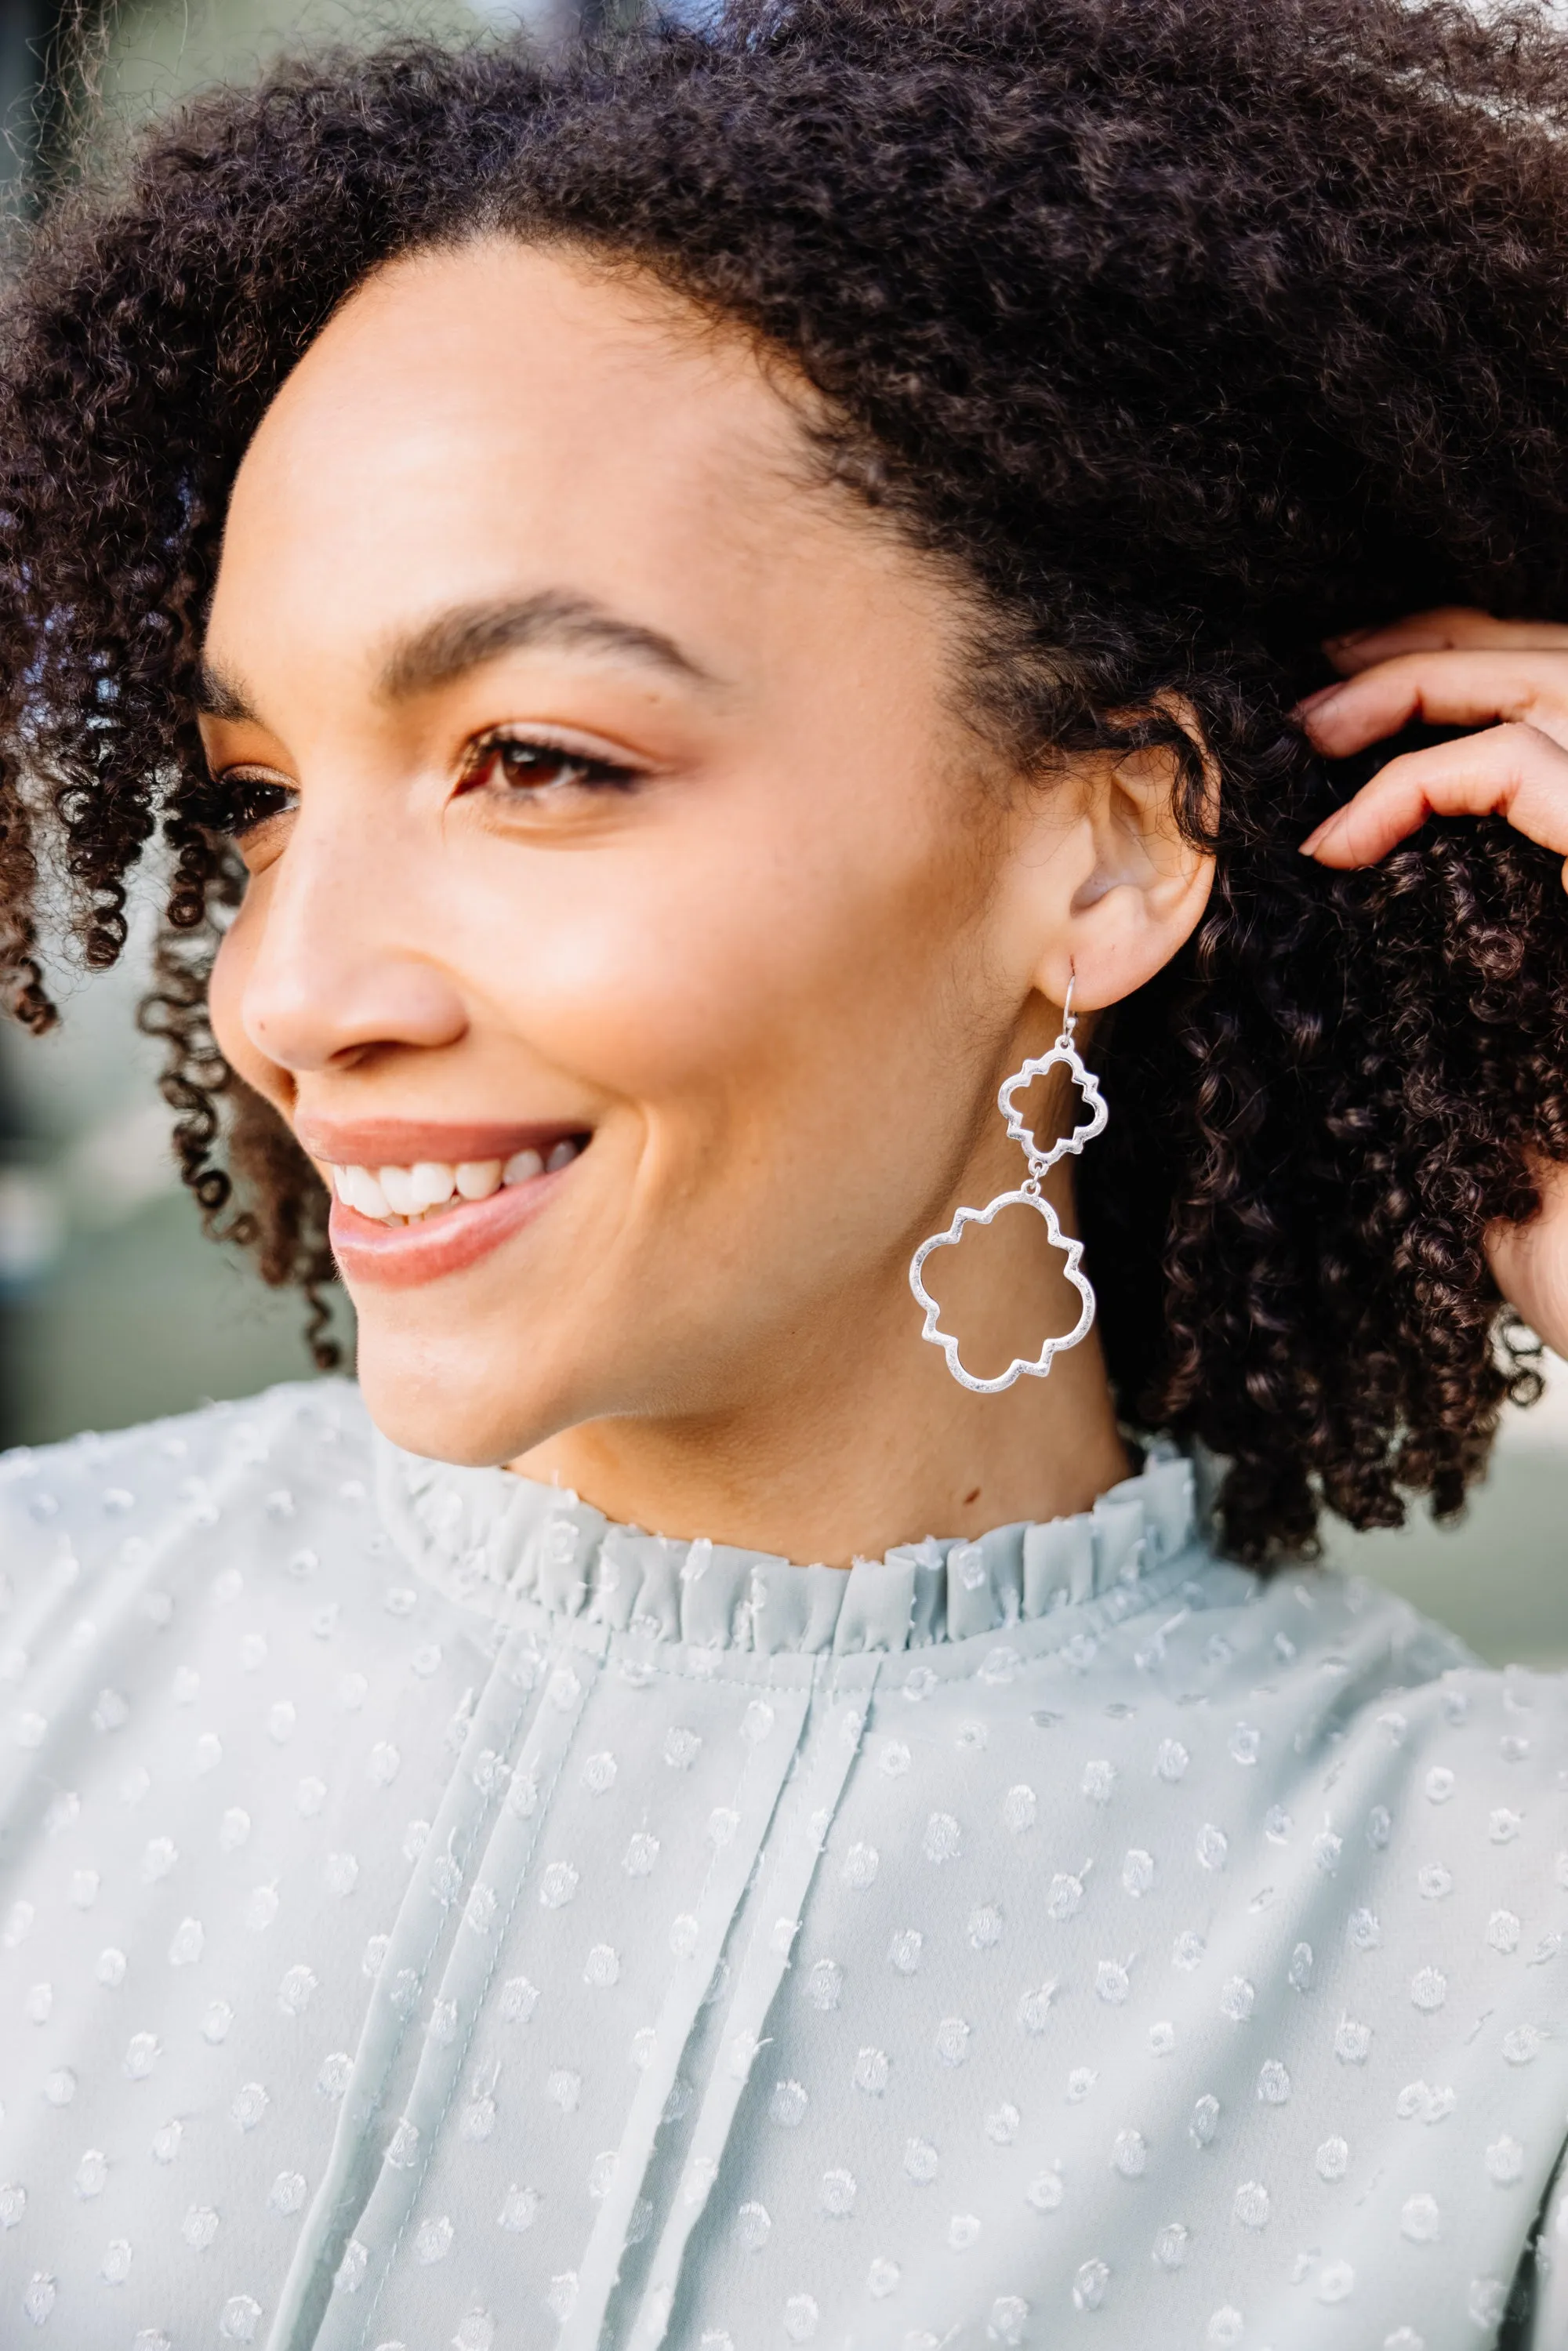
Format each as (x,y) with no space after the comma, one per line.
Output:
(430,1915)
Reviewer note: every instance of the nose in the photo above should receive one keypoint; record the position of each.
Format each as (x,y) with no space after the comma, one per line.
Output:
(344,952)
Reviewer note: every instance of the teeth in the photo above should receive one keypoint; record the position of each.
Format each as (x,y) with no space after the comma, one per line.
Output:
(402,1195)
(477,1178)
(374,1201)
(397,1182)
(361,1191)
(434,1183)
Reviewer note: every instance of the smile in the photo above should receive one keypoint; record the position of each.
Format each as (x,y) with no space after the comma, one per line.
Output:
(432,1187)
(412,1202)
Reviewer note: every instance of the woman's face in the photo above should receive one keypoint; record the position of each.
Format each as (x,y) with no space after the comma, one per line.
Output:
(623,876)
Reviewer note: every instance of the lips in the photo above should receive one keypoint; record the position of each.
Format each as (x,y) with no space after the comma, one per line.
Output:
(398,1221)
(394,1195)
(405,1142)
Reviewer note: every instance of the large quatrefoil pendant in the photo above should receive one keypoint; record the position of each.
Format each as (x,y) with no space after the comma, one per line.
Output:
(1063,1055)
(1072,1252)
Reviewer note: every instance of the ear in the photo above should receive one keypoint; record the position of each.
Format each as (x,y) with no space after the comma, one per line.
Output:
(1530,1262)
(1104,878)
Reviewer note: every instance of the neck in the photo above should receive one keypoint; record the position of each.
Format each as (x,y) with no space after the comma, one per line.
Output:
(864,1440)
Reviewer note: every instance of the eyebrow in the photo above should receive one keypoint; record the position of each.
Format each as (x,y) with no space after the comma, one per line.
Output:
(461,640)
(218,696)
(464,638)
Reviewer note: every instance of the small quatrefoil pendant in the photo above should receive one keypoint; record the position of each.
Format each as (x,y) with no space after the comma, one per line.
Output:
(1062,1055)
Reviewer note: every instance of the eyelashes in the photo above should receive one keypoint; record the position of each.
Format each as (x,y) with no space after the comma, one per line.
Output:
(240,804)
(524,766)
(517,767)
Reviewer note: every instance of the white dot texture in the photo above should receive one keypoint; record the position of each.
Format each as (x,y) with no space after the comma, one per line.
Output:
(1055,1937)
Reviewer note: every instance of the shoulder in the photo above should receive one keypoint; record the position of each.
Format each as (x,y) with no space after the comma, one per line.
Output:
(1312,1720)
(1339,1657)
(76,1516)
(1380,1731)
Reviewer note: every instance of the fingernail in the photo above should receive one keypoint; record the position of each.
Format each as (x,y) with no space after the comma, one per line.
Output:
(1346,637)
(1311,702)
(1314,840)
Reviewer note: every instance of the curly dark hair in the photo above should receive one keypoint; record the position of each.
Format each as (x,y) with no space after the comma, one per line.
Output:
(1183,332)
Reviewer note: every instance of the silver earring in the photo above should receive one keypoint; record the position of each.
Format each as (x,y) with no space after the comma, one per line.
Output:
(1064,1054)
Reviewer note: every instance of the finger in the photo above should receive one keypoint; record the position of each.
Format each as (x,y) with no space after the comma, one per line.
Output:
(1447,628)
(1445,689)
(1508,771)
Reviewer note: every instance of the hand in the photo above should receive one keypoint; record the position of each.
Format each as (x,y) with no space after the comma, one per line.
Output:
(1508,678)
(1452,669)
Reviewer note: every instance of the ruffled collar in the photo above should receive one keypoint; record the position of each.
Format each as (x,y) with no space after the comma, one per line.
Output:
(489,1540)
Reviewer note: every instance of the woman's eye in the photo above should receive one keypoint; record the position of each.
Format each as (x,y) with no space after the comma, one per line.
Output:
(244,802)
(511,763)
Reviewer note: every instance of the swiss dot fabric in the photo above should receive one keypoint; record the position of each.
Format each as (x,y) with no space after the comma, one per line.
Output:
(430,1915)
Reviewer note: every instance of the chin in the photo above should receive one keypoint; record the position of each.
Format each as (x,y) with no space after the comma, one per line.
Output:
(452,1416)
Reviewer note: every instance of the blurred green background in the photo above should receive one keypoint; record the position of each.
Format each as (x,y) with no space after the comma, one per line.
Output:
(112,1306)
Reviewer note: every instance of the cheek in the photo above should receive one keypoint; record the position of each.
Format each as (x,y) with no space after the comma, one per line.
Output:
(711,975)
(645,1014)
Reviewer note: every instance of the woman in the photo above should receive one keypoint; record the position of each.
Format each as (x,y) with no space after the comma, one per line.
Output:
(687,621)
